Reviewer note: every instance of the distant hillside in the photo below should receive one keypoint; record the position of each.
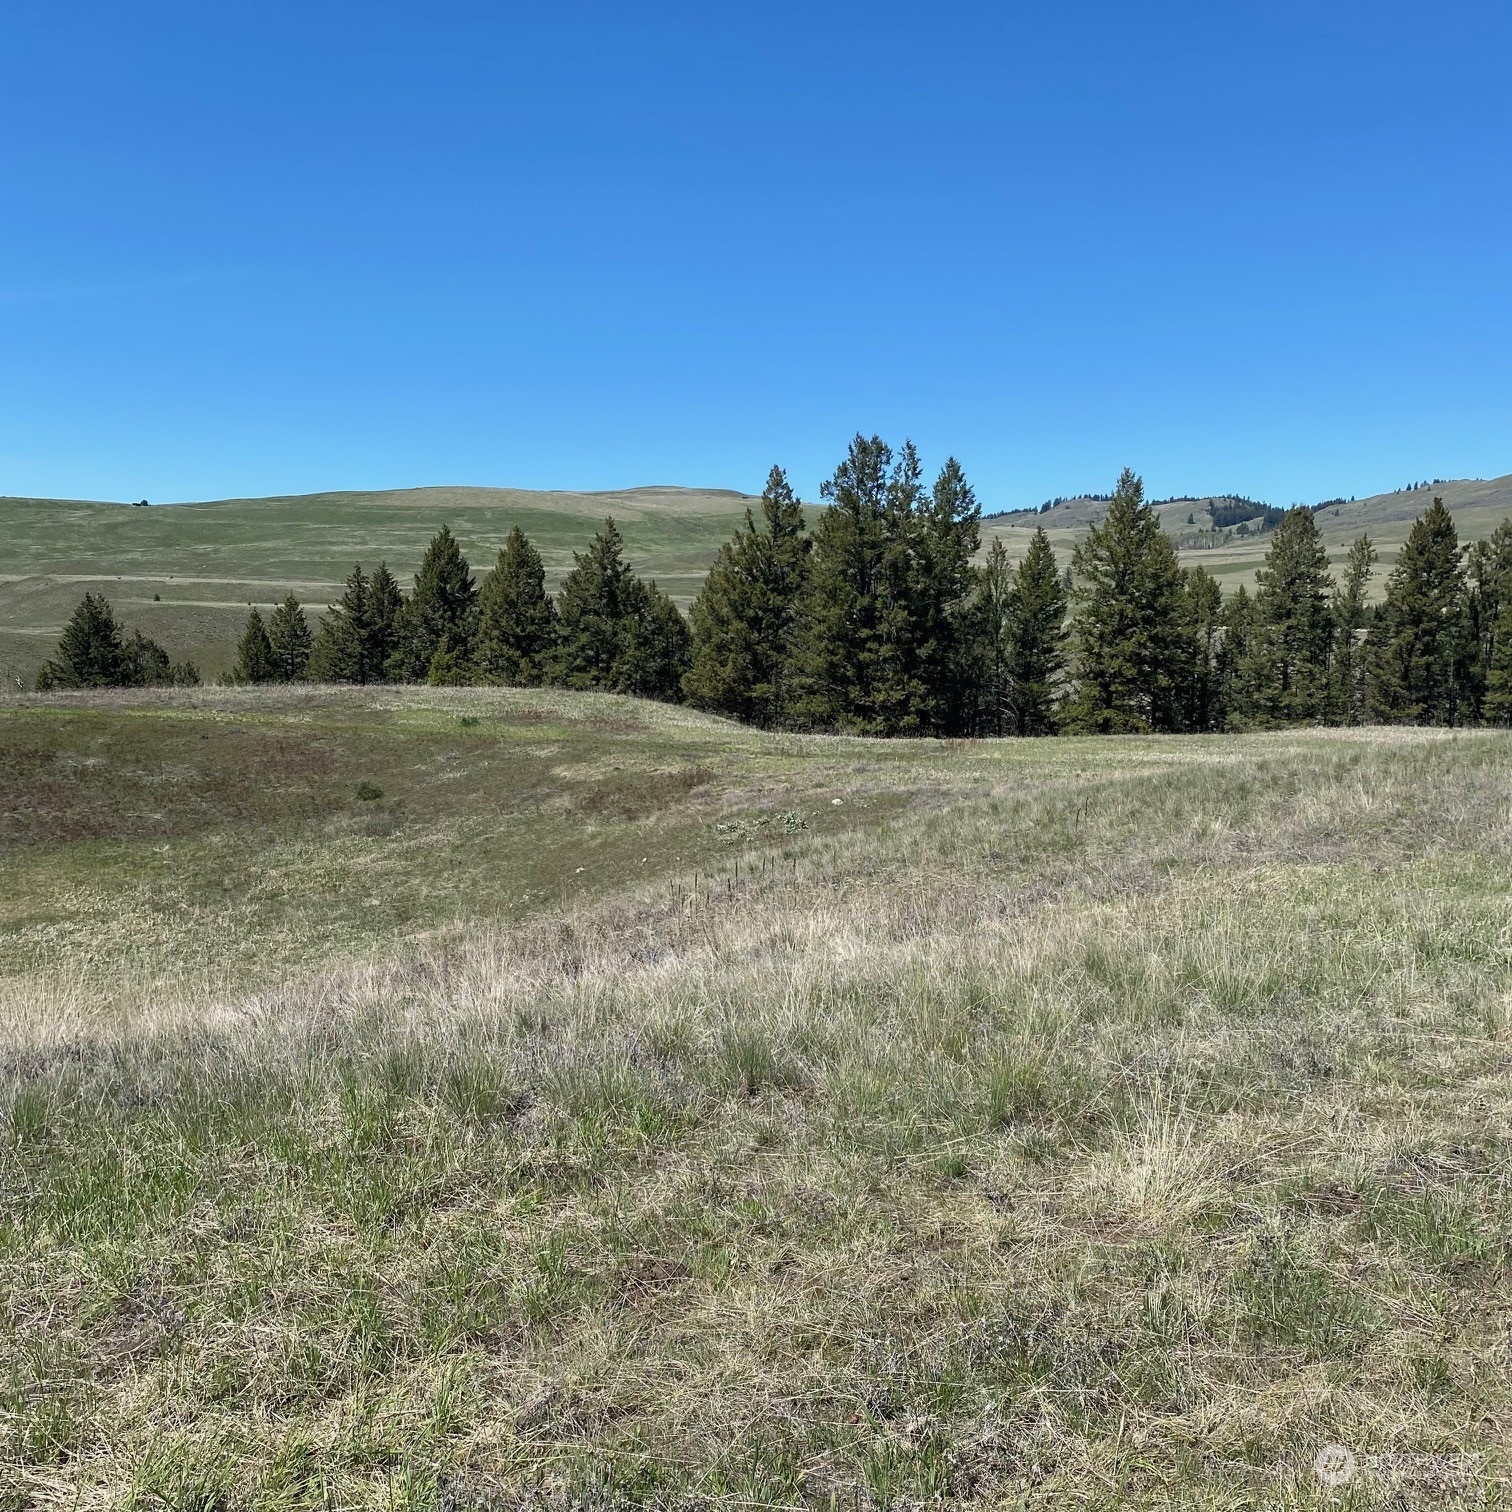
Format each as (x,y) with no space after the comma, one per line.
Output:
(1215,532)
(187,573)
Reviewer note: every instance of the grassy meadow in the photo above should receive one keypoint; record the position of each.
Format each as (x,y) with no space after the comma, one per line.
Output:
(449,1100)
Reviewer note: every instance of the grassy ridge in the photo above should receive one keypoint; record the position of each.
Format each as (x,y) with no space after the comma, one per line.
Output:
(1085,1123)
(186,575)
(1478,506)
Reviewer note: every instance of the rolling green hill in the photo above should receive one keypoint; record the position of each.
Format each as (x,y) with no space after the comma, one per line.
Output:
(1477,504)
(187,573)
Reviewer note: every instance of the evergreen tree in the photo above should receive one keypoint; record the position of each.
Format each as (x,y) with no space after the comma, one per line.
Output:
(254,653)
(990,633)
(443,609)
(1286,678)
(384,602)
(946,534)
(659,647)
(1419,654)
(1238,620)
(95,652)
(289,640)
(516,620)
(447,669)
(616,633)
(1488,568)
(1036,639)
(880,645)
(1126,623)
(1200,685)
(842,644)
(744,614)
(1346,703)
(1496,707)
(343,646)
(91,650)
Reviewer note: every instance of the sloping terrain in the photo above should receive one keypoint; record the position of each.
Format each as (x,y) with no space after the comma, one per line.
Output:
(187,574)
(449,1100)
(1232,555)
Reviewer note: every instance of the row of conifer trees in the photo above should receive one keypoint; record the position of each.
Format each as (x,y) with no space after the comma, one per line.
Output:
(605,629)
(877,621)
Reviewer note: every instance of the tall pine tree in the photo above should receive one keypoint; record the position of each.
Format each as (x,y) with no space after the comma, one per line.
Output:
(1036,640)
(846,652)
(290,641)
(1419,654)
(614,632)
(1496,705)
(1126,621)
(1346,701)
(254,654)
(880,644)
(1200,686)
(385,600)
(343,644)
(744,614)
(516,620)
(92,653)
(946,537)
(1286,676)
(441,612)
(1488,568)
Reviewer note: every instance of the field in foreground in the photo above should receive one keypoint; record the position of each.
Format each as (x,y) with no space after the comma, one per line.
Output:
(620,1108)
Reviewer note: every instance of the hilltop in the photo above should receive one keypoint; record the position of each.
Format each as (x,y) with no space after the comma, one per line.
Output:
(186,574)
(1233,552)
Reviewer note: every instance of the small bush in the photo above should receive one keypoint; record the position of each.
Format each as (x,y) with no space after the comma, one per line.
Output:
(368,792)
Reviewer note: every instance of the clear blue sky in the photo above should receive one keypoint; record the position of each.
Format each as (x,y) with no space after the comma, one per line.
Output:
(273,247)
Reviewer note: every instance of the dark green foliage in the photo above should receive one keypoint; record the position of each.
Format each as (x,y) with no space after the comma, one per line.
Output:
(879,643)
(616,633)
(1126,622)
(660,647)
(91,650)
(384,601)
(1346,703)
(1420,656)
(447,669)
(343,650)
(1200,704)
(991,643)
(1026,638)
(254,654)
(947,535)
(1496,706)
(443,610)
(94,652)
(850,667)
(516,620)
(1284,676)
(289,640)
(1488,566)
(744,615)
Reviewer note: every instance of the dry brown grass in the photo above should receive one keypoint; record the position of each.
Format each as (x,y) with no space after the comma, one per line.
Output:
(1117,1139)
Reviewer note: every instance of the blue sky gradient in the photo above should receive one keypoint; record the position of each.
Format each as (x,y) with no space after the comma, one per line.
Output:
(258,248)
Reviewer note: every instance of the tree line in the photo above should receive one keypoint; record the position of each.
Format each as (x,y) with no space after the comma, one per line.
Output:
(879,621)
